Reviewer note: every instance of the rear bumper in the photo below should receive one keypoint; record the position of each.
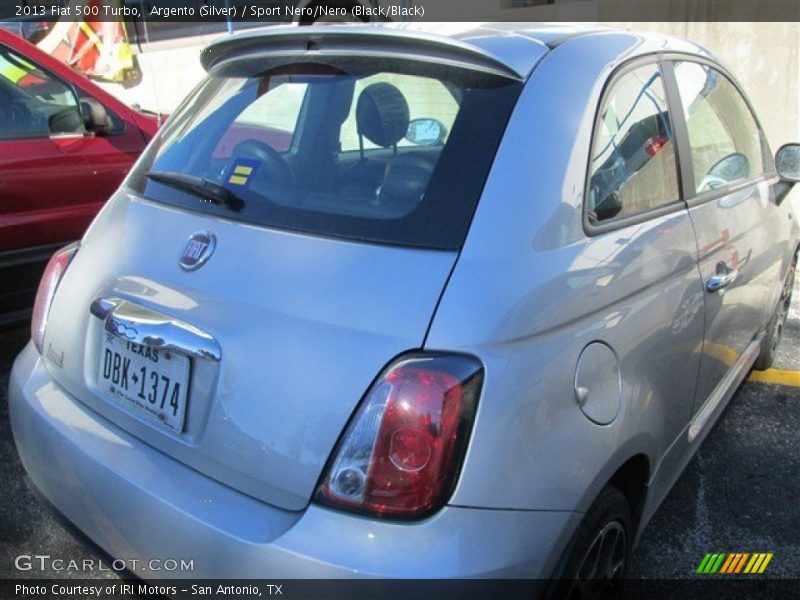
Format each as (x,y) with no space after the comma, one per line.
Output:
(138,505)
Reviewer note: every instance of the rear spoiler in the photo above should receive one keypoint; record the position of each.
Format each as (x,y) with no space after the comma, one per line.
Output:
(300,44)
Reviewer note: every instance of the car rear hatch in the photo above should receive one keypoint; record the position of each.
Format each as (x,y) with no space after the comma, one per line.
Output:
(304,325)
(234,320)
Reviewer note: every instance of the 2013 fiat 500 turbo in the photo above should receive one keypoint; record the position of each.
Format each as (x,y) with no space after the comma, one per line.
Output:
(377,302)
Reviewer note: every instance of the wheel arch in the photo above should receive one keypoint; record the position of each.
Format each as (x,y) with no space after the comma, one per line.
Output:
(630,471)
(632,479)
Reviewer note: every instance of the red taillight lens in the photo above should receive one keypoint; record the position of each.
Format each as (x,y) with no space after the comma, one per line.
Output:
(401,454)
(47,289)
(655,144)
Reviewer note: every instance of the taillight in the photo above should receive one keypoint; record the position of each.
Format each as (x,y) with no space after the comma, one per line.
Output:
(47,289)
(655,144)
(402,451)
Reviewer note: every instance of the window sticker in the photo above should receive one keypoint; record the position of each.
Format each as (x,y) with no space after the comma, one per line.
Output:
(243,171)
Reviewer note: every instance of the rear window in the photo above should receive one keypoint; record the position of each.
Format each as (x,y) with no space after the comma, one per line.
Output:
(395,157)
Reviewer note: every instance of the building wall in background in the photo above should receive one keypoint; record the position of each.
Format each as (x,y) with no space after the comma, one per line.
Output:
(169,73)
(765,57)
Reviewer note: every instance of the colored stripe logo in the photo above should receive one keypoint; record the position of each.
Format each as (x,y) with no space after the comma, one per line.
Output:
(242,171)
(734,562)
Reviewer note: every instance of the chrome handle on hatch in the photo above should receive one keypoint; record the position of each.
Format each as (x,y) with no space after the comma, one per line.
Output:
(141,325)
(724,277)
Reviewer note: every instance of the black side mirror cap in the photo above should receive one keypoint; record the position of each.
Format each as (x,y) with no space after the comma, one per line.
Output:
(65,122)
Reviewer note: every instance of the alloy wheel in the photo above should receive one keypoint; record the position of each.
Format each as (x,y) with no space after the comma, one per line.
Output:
(603,565)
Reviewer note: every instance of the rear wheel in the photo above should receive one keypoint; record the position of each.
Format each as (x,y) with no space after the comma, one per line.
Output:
(599,557)
(772,337)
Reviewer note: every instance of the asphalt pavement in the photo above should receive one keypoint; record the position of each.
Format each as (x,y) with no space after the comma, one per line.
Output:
(738,494)
(740,491)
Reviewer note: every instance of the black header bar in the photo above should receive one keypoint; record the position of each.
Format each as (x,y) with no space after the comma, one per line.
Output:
(305,11)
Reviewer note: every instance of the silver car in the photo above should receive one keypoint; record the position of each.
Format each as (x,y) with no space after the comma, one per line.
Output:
(378,302)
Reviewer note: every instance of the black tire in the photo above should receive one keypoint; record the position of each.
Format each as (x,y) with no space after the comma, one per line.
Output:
(598,560)
(772,337)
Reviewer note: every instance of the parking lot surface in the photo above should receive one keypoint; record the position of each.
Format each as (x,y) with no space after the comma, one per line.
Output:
(738,494)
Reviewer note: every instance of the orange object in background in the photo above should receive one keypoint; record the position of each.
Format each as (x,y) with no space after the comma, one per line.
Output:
(98,49)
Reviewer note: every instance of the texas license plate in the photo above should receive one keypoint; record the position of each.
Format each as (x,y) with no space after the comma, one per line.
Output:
(152,380)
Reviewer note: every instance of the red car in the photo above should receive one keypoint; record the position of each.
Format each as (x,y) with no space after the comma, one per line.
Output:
(65,146)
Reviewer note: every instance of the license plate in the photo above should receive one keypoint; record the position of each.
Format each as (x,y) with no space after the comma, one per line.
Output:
(152,380)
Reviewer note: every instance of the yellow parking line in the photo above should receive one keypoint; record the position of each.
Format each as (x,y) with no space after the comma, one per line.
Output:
(721,352)
(777,377)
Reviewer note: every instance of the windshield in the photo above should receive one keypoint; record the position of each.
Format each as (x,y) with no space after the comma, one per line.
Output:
(396,157)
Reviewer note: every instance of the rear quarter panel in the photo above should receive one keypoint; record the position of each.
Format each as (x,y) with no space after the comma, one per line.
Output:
(531,290)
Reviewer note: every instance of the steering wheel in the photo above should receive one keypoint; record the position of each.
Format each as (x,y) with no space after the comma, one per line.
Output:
(275,166)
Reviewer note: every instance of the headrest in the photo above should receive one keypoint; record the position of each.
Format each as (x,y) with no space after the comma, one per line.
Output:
(382,114)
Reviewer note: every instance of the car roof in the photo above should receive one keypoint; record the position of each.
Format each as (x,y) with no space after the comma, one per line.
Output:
(508,49)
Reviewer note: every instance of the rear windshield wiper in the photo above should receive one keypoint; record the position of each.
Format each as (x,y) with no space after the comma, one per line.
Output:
(199,186)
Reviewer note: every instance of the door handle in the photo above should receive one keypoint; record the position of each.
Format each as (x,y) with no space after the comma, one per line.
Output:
(724,277)
(138,324)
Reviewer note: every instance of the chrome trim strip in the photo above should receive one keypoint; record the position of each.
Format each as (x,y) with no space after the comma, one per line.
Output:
(141,325)
(725,387)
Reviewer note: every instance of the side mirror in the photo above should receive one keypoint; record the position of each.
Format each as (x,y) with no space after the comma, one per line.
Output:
(95,116)
(67,121)
(426,132)
(787,162)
